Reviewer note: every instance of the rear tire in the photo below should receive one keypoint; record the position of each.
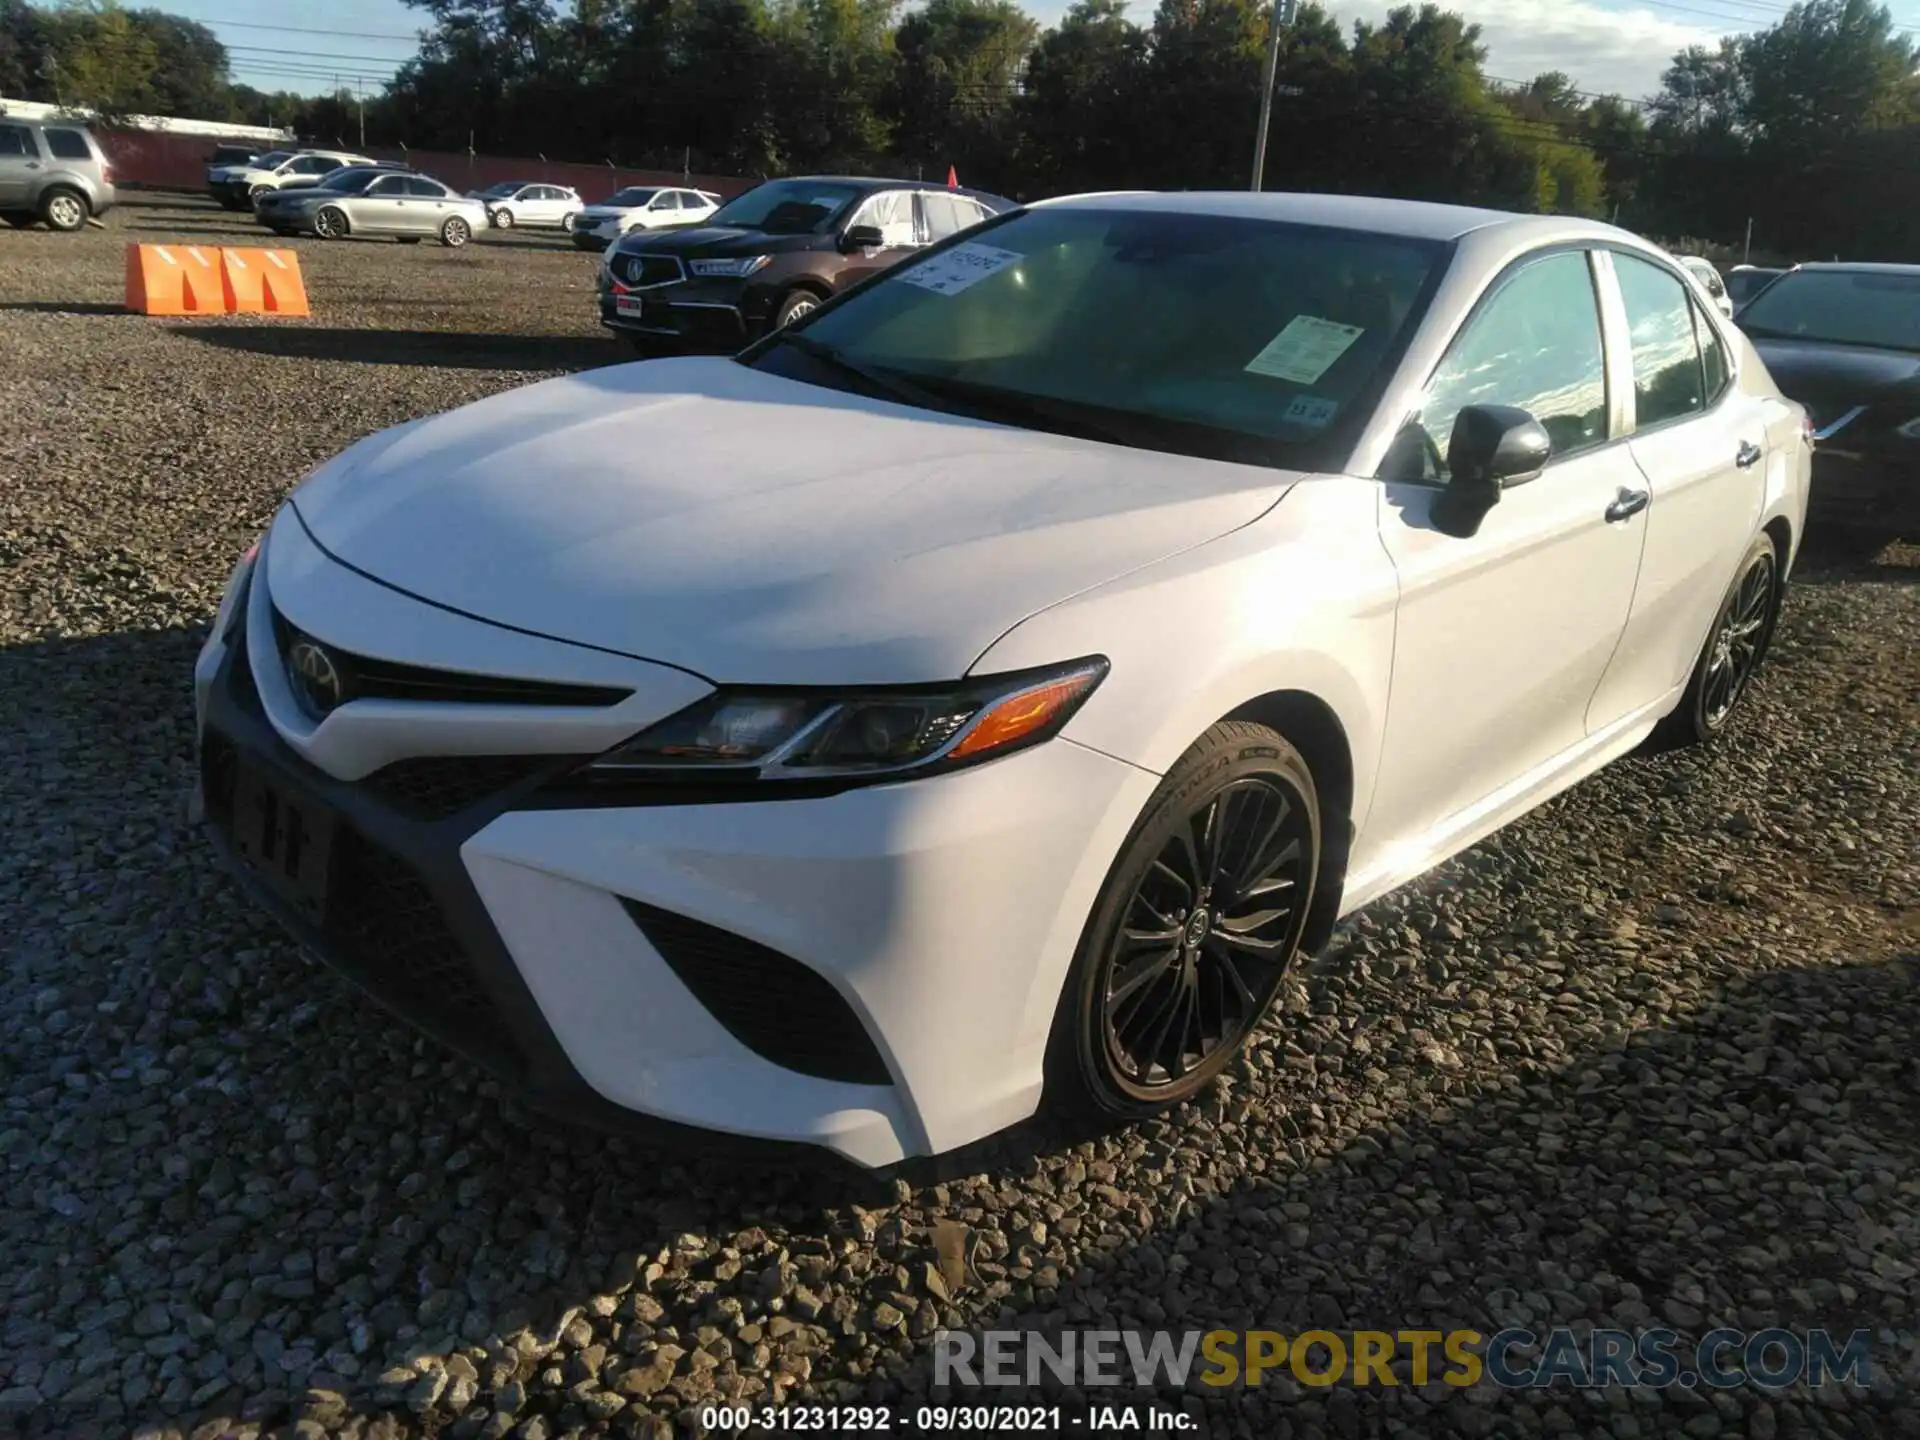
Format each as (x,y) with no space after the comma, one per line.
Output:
(1194,932)
(455,233)
(64,209)
(1736,644)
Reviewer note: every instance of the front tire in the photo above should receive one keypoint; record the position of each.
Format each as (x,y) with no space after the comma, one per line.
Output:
(1200,920)
(1736,644)
(19,220)
(798,304)
(455,233)
(331,223)
(64,210)
(502,219)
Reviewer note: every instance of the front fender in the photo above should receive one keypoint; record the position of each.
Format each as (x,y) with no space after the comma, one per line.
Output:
(1302,599)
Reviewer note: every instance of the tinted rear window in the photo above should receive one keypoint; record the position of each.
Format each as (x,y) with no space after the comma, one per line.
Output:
(68,145)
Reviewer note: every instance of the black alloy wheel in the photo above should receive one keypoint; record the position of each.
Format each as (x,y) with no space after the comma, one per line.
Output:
(1736,644)
(1201,918)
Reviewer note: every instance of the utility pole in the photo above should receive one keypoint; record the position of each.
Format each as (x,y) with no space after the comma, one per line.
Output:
(1282,17)
(362,97)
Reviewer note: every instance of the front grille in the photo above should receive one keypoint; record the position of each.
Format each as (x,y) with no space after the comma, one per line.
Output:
(783,1011)
(436,787)
(387,929)
(644,270)
(367,678)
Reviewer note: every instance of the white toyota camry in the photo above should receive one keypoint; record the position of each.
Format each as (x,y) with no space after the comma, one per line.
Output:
(977,695)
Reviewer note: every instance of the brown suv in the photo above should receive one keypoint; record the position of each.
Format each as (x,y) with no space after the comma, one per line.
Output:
(770,255)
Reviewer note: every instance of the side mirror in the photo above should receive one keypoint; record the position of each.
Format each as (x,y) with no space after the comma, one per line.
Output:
(862,237)
(1492,447)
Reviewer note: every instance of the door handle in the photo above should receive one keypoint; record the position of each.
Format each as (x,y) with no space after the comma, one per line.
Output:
(1748,455)
(1627,504)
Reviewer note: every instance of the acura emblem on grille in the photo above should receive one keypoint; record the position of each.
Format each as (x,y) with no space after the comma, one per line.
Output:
(316,679)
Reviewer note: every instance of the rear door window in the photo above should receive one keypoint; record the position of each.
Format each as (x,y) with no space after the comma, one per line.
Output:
(68,145)
(17,140)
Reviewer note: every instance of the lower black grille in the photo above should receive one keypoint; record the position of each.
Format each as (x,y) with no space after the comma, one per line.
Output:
(387,928)
(783,1011)
(436,787)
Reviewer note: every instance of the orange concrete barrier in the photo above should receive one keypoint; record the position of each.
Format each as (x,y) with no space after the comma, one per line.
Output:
(174,280)
(262,282)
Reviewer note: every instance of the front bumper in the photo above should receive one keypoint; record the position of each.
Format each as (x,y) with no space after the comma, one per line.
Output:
(529,927)
(718,314)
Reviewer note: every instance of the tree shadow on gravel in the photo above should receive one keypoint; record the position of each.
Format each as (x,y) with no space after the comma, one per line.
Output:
(1750,1166)
(441,348)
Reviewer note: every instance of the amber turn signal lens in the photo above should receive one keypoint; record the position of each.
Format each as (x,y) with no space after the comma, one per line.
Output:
(1014,717)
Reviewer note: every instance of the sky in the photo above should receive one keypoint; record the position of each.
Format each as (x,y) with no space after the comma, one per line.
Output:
(1617,46)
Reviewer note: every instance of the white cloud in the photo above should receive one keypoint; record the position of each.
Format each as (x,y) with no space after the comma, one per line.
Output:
(1605,50)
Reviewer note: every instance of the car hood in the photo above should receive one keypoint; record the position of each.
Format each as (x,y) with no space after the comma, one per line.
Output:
(1829,379)
(755,529)
(719,241)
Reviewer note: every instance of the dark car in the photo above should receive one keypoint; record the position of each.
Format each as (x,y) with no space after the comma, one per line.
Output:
(1844,340)
(770,255)
(1746,281)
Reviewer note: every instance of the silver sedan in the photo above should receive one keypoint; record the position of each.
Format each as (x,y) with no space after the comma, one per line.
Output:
(363,200)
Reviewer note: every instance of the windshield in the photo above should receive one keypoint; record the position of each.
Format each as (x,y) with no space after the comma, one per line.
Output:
(1208,335)
(272,158)
(350,181)
(504,188)
(1841,307)
(788,207)
(628,199)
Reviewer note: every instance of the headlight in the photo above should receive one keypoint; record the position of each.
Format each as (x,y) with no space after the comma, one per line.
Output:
(796,736)
(739,269)
(1910,430)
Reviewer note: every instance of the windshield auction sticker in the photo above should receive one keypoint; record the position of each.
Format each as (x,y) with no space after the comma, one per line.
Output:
(952,271)
(1305,350)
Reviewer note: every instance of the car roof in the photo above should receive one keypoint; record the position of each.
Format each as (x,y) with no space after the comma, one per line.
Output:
(1413,219)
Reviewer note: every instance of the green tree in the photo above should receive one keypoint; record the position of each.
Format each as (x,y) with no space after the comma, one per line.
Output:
(1078,112)
(1828,71)
(955,81)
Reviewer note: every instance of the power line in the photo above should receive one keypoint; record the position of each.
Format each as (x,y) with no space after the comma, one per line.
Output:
(301,30)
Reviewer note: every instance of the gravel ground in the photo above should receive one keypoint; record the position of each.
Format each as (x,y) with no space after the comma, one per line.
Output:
(1647,1057)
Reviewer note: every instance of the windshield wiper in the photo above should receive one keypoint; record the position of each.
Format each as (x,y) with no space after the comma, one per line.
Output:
(1062,417)
(885,382)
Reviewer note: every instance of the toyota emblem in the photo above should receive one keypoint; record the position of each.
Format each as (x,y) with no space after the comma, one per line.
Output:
(316,679)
